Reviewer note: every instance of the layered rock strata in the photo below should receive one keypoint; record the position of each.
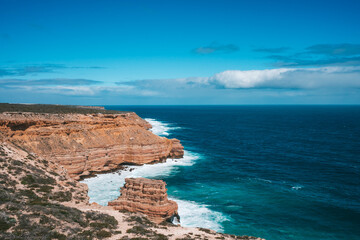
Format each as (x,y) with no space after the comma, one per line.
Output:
(88,143)
(146,196)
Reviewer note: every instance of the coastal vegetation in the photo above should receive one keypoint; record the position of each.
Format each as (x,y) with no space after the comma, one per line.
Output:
(41,199)
(58,109)
(30,204)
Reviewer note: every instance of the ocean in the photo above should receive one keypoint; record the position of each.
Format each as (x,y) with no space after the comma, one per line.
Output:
(276,172)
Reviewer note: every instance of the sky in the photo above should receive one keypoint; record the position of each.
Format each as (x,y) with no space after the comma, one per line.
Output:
(132,52)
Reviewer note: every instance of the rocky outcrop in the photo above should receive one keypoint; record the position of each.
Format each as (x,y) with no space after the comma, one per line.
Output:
(88,143)
(38,199)
(177,150)
(146,196)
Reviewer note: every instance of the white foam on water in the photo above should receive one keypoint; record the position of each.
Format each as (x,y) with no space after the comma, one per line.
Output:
(106,187)
(160,128)
(297,187)
(193,214)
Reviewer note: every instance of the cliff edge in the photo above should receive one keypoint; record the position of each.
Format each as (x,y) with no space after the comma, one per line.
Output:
(38,200)
(44,150)
(86,144)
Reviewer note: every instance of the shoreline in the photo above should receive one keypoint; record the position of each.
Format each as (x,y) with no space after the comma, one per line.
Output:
(90,158)
(29,212)
(213,219)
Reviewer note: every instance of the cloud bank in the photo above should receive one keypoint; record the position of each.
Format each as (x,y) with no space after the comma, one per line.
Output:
(74,87)
(281,78)
(45,82)
(83,91)
(279,85)
(40,68)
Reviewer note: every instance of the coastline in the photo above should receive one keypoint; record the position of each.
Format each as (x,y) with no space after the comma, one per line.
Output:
(104,187)
(53,134)
(45,203)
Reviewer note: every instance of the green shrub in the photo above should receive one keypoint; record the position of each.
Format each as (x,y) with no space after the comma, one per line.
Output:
(140,220)
(6,222)
(138,230)
(99,225)
(61,196)
(31,179)
(103,234)
(27,180)
(101,220)
(87,233)
(45,188)
(205,230)
(56,235)
(159,236)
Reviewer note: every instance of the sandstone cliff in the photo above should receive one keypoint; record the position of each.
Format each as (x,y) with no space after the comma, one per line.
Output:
(148,197)
(88,143)
(40,151)
(38,200)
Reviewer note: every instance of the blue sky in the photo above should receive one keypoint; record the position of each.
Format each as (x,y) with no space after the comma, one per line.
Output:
(180,52)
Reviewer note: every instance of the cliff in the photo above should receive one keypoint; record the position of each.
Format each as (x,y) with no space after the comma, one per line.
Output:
(33,192)
(38,200)
(88,143)
(146,196)
(43,153)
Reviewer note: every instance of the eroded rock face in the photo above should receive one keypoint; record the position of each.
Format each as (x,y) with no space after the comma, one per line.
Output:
(146,196)
(91,143)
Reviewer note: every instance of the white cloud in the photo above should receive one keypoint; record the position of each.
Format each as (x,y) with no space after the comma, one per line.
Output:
(248,79)
(89,90)
(324,77)
(287,82)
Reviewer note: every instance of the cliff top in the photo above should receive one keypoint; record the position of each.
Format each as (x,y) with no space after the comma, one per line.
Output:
(49,108)
(145,180)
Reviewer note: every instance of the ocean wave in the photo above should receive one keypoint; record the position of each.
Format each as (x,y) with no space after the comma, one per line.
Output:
(193,214)
(106,187)
(160,128)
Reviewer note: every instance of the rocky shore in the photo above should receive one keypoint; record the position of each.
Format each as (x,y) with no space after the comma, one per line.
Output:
(42,155)
(86,144)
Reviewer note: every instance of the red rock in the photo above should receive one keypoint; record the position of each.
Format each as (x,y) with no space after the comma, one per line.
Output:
(91,143)
(146,196)
(177,150)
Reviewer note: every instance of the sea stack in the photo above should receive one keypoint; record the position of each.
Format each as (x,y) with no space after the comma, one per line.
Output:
(146,196)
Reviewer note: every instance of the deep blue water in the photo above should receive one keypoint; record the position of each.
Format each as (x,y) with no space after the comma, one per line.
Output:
(277,172)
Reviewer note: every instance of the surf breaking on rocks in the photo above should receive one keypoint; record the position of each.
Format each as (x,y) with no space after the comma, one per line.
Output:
(105,187)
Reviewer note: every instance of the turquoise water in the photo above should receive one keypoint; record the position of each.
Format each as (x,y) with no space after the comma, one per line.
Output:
(277,172)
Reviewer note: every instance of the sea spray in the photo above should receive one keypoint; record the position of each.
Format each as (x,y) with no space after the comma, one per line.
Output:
(106,187)
(193,214)
(251,157)
(161,128)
